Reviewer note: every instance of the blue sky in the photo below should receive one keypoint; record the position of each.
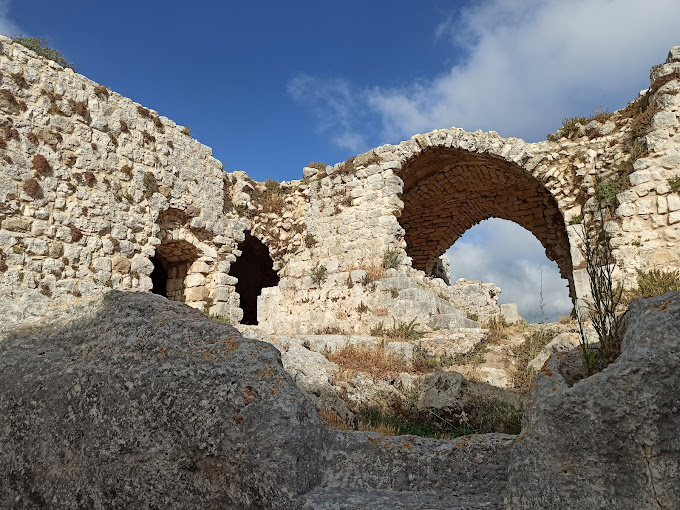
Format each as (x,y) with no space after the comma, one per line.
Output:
(273,85)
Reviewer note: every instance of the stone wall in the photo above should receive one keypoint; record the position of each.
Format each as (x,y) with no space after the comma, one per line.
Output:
(98,191)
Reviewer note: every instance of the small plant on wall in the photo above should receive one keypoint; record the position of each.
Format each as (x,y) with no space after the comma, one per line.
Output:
(674,184)
(391,258)
(40,46)
(319,275)
(310,240)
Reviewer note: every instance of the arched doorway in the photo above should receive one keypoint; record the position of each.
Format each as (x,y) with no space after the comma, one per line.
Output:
(171,265)
(448,191)
(254,269)
(508,255)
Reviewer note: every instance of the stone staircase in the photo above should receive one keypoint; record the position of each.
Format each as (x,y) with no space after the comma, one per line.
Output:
(373,471)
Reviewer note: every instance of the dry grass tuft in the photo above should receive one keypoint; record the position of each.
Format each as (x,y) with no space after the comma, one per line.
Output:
(341,423)
(374,361)
(522,375)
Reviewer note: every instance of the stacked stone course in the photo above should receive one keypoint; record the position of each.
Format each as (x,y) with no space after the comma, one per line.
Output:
(93,186)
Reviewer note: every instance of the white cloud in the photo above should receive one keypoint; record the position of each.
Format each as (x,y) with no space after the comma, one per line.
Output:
(526,64)
(7,26)
(531,63)
(334,106)
(508,255)
(522,66)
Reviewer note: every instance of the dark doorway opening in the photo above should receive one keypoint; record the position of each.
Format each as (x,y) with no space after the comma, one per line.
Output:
(254,270)
(159,278)
(170,268)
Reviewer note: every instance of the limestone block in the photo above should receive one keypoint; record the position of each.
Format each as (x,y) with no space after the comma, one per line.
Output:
(661,205)
(673,202)
(626,197)
(17,224)
(646,205)
(141,265)
(659,220)
(664,120)
(102,264)
(402,349)
(119,232)
(126,248)
(626,209)
(222,293)
(52,266)
(36,246)
(510,312)
(145,283)
(639,177)
(673,217)
(201,266)
(120,264)
(196,294)
(561,343)
(440,390)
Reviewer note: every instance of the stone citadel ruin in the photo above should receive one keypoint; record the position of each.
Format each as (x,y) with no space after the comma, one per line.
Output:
(99,192)
(113,399)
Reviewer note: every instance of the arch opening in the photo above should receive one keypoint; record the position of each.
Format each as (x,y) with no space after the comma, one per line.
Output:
(448,191)
(510,256)
(254,270)
(159,278)
(171,266)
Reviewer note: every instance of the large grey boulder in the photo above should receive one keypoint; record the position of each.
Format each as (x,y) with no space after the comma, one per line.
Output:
(611,440)
(129,400)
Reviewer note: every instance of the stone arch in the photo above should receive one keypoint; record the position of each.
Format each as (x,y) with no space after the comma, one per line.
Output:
(254,270)
(171,266)
(448,190)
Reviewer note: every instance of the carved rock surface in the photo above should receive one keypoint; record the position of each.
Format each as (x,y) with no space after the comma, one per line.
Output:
(128,400)
(611,440)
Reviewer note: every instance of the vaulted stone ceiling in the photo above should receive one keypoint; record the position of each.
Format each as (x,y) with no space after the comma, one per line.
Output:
(448,191)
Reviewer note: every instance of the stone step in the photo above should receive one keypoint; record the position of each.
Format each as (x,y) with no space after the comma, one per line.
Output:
(332,498)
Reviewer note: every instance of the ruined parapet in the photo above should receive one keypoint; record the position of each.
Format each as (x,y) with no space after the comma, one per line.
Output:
(98,191)
(442,269)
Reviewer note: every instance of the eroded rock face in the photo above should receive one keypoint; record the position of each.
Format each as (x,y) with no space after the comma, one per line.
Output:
(611,440)
(128,400)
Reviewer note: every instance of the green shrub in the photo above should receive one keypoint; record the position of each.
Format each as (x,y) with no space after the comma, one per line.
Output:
(319,275)
(402,331)
(576,220)
(656,282)
(606,296)
(41,48)
(524,353)
(570,125)
(391,259)
(607,189)
(219,318)
(674,183)
(310,240)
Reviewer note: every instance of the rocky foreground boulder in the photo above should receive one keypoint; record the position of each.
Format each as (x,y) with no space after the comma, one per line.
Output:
(611,440)
(129,400)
